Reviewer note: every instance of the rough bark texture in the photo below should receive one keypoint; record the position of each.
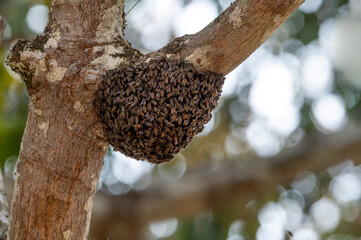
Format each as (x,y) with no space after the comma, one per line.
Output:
(62,148)
(63,145)
(232,36)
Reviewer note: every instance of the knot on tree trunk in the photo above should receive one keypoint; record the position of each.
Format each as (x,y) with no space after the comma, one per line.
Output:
(27,58)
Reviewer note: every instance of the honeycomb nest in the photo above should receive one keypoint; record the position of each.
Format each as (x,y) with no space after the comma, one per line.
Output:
(150,111)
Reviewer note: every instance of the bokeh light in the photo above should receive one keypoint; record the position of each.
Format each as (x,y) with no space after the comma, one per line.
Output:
(317,75)
(173,170)
(37,18)
(346,47)
(235,230)
(346,187)
(195,16)
(10,167)
(272,218)
(305,182)
(272,96)
(305,234)
(127,170)
(294,213)
(326,214)
(310,6)
(330,113)
(164,228)
(264,142)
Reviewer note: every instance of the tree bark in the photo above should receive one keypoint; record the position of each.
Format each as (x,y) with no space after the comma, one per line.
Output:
(232,36)
(63,144)
(62,149)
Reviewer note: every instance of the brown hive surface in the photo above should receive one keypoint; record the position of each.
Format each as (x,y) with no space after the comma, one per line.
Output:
(150,111)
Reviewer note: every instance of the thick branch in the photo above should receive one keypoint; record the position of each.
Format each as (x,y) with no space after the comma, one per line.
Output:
(234,35)
(236,183)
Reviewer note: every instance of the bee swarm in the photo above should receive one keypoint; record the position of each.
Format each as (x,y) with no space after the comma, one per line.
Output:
(151,111)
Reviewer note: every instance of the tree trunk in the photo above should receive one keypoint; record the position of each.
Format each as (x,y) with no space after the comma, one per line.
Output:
(62,149)
(63,145)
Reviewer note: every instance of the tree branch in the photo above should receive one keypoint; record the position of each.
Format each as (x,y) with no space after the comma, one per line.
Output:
(233,36)
(238,182)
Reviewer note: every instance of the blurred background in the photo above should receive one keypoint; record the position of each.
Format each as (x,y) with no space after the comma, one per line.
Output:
(279,159)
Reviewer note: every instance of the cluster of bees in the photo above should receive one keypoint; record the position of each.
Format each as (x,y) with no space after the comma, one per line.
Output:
(150,111)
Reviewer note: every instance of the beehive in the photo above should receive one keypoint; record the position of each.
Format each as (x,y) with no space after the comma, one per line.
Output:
(150,111)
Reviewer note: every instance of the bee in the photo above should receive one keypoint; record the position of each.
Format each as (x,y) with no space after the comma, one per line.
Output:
(167,130)
(133,105)
(139,113)
(167,150)
(151,141)
(147,133)
(173,118)
(172,111)
(155,131)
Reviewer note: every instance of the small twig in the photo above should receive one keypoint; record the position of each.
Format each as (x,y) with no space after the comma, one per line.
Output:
(132,8)
(2,27)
